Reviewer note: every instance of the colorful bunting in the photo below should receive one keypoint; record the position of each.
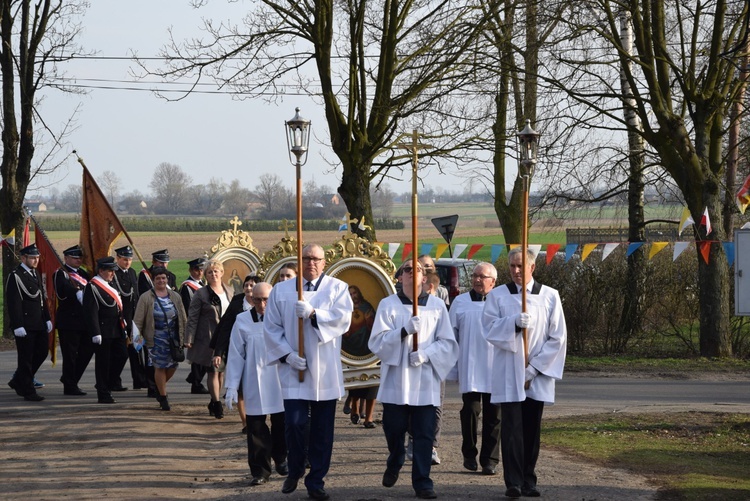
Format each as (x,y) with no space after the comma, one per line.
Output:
(570,249)
(473,250)
(441,248)
(608,248)
(679,248)
(426,249)
(535,248)
(459,249)
(632,247)
(495,252)
(685,220)
(743,196)
(729,251)
(551,251)
(705,248)
(587,248)
(392,248)
(407,250)
(656,247)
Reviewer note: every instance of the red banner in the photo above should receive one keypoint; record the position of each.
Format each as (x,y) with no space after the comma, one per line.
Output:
(49,262)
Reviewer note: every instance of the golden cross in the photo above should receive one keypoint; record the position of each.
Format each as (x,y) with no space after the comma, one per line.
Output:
(235,222)
(285,225)
(351,221)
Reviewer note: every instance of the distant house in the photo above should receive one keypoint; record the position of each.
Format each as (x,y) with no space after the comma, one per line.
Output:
(35,205)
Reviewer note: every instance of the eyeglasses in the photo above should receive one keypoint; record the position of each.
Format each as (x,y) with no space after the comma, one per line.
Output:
(260,299)
(310,259)
(409,269)
(474,276)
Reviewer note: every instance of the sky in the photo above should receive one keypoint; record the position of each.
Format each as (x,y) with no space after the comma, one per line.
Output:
(130,132)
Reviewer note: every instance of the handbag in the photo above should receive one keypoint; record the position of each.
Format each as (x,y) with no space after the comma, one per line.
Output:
(176,351)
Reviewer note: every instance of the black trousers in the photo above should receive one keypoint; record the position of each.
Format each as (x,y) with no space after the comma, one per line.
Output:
(197,372)
(77,350)
(137,367)
(264,444)
(475,404)
(521,424)
(119,358)
(106,358)
(32,352)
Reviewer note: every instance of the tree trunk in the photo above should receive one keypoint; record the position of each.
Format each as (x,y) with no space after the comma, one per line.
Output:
(355,190)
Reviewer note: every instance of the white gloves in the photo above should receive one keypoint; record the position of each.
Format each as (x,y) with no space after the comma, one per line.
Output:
(412,326)
(20,332)
(97,339)
(303,309)
(530,373)
(523,320)
(79,296)
(417,358)
(298,363)
(230,398)
(49,326)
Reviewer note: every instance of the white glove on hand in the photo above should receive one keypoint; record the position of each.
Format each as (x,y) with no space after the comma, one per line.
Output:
(417,358)
(298,363)
(303,309)
(523,320)
(20,332)
(96,339)
(230,398)
(79,296)
(530,374)
(49,326)
(413,325)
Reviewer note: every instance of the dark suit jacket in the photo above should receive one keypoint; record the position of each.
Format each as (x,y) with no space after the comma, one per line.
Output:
(26,310)
(126,283)
(101,313)
(223,332)
(69,310)
(186,293)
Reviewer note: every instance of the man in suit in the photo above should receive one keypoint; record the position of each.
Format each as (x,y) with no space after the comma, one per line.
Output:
(187,289)
(30,321)
(75,342)
(126,283)
(159,258)
(103,311)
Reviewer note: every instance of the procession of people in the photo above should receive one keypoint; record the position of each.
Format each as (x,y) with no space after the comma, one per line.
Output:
(251,350)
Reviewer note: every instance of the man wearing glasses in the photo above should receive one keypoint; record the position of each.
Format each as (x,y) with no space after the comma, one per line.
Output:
(410,380)
(475,373)
(326,311)
(75,341)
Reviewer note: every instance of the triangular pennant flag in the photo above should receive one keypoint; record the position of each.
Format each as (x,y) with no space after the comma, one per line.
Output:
(608,248)
(632,247)
(459,249)
(426,249)
(706,221)
(535,248)
(440,249)
(729,251)
(473,250)
(407,250)
(570,249)
(379,244)
(656,247)
(587,248)
(743,196)
(392,248)
(343,227)
(685,220)
(495,252)
(679,248)
(551,251)
(705,248)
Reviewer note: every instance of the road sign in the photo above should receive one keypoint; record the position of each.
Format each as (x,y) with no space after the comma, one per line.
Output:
(446,225)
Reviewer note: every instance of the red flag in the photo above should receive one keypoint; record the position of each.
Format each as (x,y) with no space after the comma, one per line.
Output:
(473,250)
(26,242)
(407,251)
(706,221)
(551,251)
(705,249)
(49,262)
(100,226)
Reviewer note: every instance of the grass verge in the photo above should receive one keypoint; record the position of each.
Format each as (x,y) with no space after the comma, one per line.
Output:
(690,455)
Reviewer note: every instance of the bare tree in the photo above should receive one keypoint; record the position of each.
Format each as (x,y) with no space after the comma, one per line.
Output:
(210,196)
(378,67)
(171,186)
(71,199)
(270,192)
(110,184)
(34,37)
(236,198)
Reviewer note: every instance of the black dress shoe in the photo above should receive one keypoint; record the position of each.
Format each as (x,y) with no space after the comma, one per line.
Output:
(471,464)
(119,388)
(530,492)
(389,479)
(12,383)
(290,485)
(107,399)
(33,397)
(426,494)
(513,492)
(258,481)
(489,470)
(199,390)
(282,468)
(74,390)
(318,494)
(152,393)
